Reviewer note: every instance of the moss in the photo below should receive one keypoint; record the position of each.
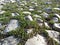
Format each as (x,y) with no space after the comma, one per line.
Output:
(51,22)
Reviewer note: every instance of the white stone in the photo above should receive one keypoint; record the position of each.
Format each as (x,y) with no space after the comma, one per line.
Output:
(26,12)
(29,18)
(45,15)
(57,15)
(36,40)
(11,40)
(9,1)
(56,8)
(39,20)
(39,11)
(54,34)
(46,25)
(57,25)
(48,10)
(22,4)
(55,19)
(37,16)
(15,14)
(48,2)
(1,7)
(0,25)
(31,9)
(11,26)
(29,31)
(40,24)
(12,1)
(1,12)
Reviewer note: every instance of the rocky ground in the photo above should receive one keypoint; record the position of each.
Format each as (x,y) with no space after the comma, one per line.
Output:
(27,22)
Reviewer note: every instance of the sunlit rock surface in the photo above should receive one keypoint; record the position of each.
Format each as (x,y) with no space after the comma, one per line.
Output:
(46,25)
(56,8)
(1,12)
(55,19)
(11,40)
(15,14)
(11,26)
(45,15)
(56,26)
(31,11)
(1,25)
(37,16)
(57,15)
(26,12)
(29,17)
(54,34)
(36,40)
(29,30)
(48,10)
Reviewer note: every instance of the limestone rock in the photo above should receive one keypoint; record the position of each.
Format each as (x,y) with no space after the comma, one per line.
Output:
(11,40)
(36,40)
(56,26)
(54,34)
(11,26)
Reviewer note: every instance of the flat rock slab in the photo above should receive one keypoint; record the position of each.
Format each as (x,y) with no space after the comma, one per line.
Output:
(36,40)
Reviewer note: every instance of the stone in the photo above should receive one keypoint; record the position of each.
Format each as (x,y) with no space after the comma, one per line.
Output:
(36,40)
(22,4)
(39,20)
(15,14)
(1,6)
(56,8)
(13,24)
(13,1)
(46,25)
(11,40)
(29,17)
(31,9)
(8,1)
(57,15)
(55,19)
(45,15)
(54,34)
(39,11)
(29,30)
(1,12)
(48,2)
(37,16)
(0,25)
(56,26)
(48,10)
(26,12)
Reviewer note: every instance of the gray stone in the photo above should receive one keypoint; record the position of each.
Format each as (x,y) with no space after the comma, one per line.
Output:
(15,14)
(11,40)
(48,2)
(26,12)
(45,15)
(48,10)
(57,15)
(54,34)
(36,40)
(11,26)
(56,9)
(29,17)
(55,19)
(1,12)
(56,26)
